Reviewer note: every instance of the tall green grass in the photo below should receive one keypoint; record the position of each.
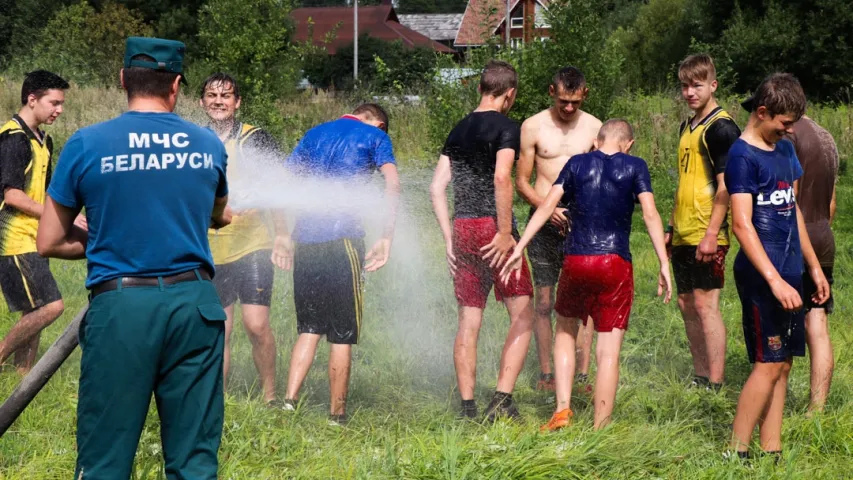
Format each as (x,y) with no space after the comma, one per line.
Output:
(403,399)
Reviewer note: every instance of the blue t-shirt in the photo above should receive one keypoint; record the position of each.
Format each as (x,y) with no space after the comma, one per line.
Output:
(343,150)
(769,177)
(600,191)
(147,182)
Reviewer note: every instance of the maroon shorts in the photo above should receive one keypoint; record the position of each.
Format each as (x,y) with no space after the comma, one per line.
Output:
(474,278)
(597,286)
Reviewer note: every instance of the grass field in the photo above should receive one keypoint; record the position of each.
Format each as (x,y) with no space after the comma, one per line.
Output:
(403,401)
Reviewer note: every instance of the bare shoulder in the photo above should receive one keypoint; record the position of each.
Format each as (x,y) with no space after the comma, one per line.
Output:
(536,120)
(590,121)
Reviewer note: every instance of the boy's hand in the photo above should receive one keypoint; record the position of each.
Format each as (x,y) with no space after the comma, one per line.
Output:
(665,283)
(787,296)
(451,259)
(512,265)
(498,248)
(378,256)
(282,252)
(819,279)
(707,249)
(558,218)
(667,240)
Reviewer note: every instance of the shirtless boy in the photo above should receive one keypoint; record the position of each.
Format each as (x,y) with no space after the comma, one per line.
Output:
(548,140)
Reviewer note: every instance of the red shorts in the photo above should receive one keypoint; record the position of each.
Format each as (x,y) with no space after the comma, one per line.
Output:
(474,278)
(597,286)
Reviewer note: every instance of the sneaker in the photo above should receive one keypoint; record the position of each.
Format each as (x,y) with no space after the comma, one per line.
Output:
(501,406)
(546,382)
(338,420)
(560,419)
(700,382)
(286,404)
(468,413)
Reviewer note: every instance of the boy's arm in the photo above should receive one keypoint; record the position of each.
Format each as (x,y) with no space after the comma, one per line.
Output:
(526,160)
(754,250)
(378,255)
(832,206)
(503,242)
(654,226)
(57,235)
(438,193)
(537,221)
(708,246)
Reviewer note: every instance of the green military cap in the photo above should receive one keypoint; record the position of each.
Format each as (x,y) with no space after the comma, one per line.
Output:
(168,55)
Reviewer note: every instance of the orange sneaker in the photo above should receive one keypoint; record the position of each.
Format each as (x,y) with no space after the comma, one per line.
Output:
(561,419)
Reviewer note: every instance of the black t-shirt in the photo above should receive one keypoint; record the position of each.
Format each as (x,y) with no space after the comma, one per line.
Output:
(472,146)
(719,137)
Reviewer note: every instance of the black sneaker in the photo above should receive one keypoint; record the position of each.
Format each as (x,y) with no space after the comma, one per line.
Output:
(700,382)
(286,404)
(501,406)
(338,420)
(468,412)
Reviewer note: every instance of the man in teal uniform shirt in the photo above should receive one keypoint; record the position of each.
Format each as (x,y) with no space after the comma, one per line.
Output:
(151,184)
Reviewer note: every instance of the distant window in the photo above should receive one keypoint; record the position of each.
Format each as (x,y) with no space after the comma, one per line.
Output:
(516,22)
(540,20)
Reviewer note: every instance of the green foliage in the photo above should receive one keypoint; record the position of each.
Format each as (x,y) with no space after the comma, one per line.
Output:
(399,67)
(251,40)
(84,45)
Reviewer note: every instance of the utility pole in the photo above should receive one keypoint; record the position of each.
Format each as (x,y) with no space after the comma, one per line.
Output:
(507,26)
(355,41)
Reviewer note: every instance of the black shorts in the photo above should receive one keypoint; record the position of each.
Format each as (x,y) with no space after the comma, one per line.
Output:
(809,288)
(545,252)
(248,279)
(327,289)
(26,282)
(771,334)
(690,274)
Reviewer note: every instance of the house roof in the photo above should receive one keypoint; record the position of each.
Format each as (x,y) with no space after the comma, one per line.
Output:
(378,21)
(482,19)
(437,26)
(512,8)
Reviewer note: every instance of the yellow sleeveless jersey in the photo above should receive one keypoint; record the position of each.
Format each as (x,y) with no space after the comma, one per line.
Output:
(697,183)
(32,166)
(246,233)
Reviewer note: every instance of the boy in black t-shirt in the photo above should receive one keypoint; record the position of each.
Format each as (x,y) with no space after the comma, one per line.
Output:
(478,157)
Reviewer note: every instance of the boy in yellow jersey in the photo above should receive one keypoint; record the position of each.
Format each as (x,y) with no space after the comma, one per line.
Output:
(698,231)
(25,168)
(242,251)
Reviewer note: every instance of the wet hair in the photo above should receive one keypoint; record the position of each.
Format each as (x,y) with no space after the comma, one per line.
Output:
(616,129)
(222,79)
(570,79)
(697,67)
(497,78)
(780,93)
(39,82)
(147,82)
(374,111)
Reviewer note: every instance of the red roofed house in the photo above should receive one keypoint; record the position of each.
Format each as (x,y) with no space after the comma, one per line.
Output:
(378,21)
(486,19)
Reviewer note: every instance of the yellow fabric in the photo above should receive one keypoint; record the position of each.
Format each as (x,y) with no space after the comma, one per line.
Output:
(697,186)
(18,230)
(246,233)
(355,270)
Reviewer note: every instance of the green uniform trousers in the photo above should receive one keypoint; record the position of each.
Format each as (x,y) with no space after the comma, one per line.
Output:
(167,340)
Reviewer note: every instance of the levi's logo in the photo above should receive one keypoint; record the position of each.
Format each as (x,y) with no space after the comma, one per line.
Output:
(783,195)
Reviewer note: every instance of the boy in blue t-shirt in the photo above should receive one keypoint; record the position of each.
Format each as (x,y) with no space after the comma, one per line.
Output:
(760,175)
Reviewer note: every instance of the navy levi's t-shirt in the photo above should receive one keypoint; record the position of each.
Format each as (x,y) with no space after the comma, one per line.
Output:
(769,177)
(601,191)
(147,181)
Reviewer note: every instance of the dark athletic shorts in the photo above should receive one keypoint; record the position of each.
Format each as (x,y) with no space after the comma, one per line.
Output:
(597,286)
(474,277)
(809,288)
(690,274)
(248,279)
(545,253)
(772,335)
(26,282)
(327,289)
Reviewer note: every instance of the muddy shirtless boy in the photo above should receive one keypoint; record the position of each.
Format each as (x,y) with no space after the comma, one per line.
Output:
(548,140)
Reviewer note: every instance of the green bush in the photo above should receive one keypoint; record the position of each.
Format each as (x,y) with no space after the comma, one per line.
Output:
(84,45)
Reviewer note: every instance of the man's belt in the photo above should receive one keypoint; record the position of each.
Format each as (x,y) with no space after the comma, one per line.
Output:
(129,282)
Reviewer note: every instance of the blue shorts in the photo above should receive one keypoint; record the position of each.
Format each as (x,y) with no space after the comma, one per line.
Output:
(772,335)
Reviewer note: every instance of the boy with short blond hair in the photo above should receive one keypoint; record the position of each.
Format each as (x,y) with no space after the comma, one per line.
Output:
(698,231)
(769,225)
